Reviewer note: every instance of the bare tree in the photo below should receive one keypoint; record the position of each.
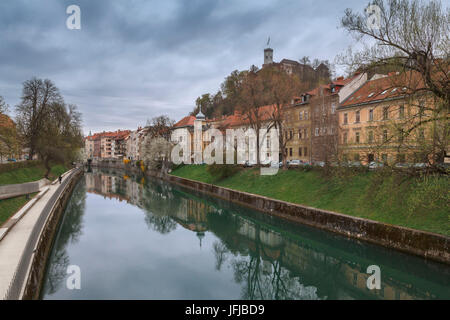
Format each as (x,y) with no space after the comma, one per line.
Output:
(412,38)
(279,89)
(157,144)
(37,97)
(4,108)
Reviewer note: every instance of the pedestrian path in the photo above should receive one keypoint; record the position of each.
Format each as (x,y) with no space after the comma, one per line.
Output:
(15,233)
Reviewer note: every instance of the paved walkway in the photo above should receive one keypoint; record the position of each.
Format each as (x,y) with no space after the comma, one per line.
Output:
(13,244)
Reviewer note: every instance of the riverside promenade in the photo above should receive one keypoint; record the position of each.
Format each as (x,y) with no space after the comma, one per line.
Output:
(15,233)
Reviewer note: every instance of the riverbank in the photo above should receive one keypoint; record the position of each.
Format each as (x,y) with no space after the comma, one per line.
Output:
(21,175)
(415,202)
(24,249)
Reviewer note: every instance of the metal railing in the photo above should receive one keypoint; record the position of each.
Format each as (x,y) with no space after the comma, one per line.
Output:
(20,276)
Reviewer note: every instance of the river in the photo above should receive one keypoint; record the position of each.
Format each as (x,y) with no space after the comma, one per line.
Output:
(139,238)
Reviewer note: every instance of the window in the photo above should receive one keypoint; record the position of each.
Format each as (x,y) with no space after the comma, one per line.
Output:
(421,133)
(357,137)
(290,152)
(345,118)
(333,108)
(306,115)
(357,116)
(286,150)
(385,113)
(305,153)
(385,135)
(401,112)
(299,152)
(317,132)
(370,136)
(300,134)
(344,137)
(356,157)
(268,142)
(384,157)
(291,134)
(421,108)
(401,158)
(300,117)
(305,133)
(371,115)
(400,135)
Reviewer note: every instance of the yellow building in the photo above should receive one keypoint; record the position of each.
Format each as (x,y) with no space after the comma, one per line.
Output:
(376,122)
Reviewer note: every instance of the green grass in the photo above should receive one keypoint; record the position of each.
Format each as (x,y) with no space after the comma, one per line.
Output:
(418,203)
(23,175)
(10,206)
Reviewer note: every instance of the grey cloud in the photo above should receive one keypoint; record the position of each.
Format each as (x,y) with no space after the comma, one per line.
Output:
(133,60)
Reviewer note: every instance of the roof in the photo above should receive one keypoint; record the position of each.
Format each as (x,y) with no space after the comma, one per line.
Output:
(239,119)
(185,122)
(389,87)
(119,134)
(6,121)
(337,84)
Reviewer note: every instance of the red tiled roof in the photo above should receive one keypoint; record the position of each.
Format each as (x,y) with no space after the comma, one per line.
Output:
(119,134)
(392,86)
(6,121)
(186,121)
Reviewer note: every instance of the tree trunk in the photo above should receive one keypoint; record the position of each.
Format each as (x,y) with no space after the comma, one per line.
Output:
(47,167)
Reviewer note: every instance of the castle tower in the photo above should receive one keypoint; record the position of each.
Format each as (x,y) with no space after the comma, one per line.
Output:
(268,56)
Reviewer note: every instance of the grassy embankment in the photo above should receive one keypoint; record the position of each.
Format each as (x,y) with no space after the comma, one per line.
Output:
(416,202)
(21,175)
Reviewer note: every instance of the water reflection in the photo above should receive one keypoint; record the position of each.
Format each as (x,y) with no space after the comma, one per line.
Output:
(243,254)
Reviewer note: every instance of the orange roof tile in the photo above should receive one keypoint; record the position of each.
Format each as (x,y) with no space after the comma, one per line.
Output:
(186,121)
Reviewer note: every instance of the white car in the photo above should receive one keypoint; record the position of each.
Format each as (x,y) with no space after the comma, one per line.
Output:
(294,163)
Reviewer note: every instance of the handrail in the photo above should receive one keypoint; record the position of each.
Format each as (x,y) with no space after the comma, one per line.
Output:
(18,281)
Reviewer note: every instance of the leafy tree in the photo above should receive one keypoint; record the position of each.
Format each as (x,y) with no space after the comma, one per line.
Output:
(60,137)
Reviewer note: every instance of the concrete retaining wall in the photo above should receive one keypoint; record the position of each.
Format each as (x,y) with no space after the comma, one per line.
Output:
(15,190)
(40,255)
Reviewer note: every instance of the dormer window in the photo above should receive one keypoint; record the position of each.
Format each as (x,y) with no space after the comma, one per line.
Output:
(371,95)
(384,92)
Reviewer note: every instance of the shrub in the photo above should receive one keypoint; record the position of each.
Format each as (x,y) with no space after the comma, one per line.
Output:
(222,171)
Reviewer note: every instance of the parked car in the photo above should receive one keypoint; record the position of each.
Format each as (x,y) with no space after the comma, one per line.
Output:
(375,165)
(402,165)
(12,160)
(294,163)
(318,163)
(352,164)
(248,164)
(420,165)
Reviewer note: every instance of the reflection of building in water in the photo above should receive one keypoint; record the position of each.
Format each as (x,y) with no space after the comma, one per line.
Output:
(316,267)
(192,215)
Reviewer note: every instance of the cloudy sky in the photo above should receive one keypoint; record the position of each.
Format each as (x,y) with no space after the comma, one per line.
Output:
(133,60)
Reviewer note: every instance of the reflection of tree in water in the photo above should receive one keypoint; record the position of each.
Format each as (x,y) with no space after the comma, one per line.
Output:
(261,277)
(160,205)
(70,232)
